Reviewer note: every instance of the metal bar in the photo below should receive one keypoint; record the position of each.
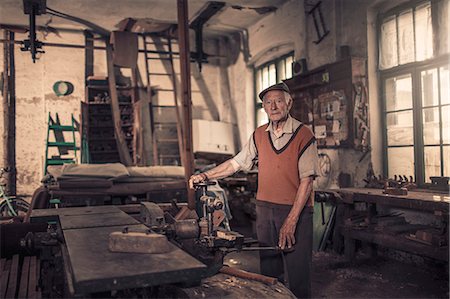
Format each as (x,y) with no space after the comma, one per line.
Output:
(88,54)
(84,47)
(441,136)
(150,102)
(183,37)
(12,118)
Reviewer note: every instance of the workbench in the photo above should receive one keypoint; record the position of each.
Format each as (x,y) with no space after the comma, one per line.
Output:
(395,233)
(91,267)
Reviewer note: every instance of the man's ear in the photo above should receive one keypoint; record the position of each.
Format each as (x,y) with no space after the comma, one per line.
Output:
(290,102)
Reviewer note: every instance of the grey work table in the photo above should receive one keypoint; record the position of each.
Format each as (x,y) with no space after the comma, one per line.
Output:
(93,268)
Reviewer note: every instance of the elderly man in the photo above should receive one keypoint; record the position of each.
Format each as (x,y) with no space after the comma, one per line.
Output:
(286,153)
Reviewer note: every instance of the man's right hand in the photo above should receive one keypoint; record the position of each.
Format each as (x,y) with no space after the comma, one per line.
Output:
(197,178)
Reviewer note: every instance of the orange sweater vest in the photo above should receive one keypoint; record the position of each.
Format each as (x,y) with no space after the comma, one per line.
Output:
(278,177)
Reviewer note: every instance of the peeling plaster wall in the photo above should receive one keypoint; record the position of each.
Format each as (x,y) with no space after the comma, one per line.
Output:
(278,33)
(35,99)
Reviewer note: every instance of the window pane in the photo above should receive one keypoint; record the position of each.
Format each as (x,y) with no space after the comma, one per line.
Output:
(289,61)
(446,160)
(446,124)
(400,128)
(401,161)
(432,162)
(398,93)
(272,74)
(445,81)
(431,126)
(406,37)
(281,71)
(258,81)
(388,44)
(424,32)
(430,92)
(265,78)
(261,117)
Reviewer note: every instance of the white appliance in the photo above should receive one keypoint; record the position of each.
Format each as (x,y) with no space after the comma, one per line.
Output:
(212,137)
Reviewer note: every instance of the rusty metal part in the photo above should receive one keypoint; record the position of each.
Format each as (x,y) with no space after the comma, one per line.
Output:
(187,229)
(151,214)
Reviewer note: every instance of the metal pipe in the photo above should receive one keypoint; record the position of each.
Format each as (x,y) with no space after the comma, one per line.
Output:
(84,47)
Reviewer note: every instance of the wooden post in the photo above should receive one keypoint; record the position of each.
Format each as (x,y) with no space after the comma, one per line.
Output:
(9,113)
(185,72)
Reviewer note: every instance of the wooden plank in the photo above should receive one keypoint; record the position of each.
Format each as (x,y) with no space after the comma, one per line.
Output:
(33,278)
(4,280)
(2,265)
(124,154)
(423,201)
(187,157)
(398,242)
(38,275)
(13,277)
(23,289)
(248,275)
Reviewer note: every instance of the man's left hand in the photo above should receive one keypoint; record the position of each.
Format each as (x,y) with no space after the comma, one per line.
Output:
(287,233)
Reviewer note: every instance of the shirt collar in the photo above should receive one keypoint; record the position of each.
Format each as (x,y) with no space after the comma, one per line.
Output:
(287,128)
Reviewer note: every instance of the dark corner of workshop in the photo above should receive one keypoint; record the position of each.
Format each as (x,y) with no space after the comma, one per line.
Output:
(224,149)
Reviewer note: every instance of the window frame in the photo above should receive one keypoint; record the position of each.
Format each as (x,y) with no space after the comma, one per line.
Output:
(395,13)
(414,69)
(276,62)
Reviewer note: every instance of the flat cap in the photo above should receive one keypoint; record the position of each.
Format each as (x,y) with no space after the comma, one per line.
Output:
(280,86)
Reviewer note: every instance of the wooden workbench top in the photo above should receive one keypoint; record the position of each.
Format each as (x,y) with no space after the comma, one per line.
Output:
(422,200)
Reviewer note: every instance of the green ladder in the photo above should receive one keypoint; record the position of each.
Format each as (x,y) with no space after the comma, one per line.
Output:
(63,146)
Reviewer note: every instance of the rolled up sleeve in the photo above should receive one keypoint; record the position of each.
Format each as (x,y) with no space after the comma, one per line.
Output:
(308,162)
(247,156)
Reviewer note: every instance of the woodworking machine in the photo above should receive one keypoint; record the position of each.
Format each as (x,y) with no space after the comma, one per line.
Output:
(103,251)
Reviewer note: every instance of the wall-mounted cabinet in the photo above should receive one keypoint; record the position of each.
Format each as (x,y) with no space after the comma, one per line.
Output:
(332,100)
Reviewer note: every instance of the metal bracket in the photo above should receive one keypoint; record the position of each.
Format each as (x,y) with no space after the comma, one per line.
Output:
(209,10)
(33,8)
(317,15)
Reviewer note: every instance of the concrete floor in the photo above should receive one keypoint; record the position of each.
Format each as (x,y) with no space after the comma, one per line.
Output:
(379,277)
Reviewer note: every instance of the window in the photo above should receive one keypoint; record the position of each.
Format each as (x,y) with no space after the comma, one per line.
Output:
(416,97)
(406,36)
(268,74)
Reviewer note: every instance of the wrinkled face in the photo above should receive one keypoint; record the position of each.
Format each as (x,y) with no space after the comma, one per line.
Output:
(276,105)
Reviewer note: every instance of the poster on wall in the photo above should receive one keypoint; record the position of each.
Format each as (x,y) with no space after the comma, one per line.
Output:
(330,118)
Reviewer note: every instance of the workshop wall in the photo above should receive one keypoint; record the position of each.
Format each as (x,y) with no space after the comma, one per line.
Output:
(291,28)
(35,99)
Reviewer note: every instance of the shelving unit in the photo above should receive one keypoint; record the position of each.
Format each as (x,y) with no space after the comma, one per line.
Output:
(98,125)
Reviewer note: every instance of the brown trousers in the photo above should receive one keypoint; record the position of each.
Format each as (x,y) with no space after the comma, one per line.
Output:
(269,219)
